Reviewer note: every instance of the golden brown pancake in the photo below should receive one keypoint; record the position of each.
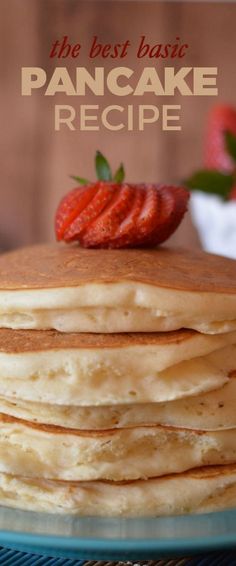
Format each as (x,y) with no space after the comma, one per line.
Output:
(53,266)
(108,369)
(73,289)
(214,410)
(196,491)
(43,451)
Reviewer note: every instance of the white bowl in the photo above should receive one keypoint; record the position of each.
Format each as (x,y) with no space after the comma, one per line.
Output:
(215,221)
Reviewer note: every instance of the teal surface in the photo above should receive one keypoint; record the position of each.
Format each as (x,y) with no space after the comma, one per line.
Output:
(117,539)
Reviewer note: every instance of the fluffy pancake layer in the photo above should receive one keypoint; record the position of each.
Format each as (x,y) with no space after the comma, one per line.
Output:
(82,369)
(197,491)
(210,411)
(119,454)
(72,289)
(108,319)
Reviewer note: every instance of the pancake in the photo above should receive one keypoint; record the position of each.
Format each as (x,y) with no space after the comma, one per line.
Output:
(120,454)
(197,491)
(87,369)
(210,411)
(77,290)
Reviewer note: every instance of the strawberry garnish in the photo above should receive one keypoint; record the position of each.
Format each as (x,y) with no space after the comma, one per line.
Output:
(125,233)
(159,217)
(150,212)
(71,206)
(102,196)
(102,230)
(114,214)
(172,208)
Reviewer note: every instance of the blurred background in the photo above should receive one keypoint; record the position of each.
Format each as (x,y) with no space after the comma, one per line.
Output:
(36,161)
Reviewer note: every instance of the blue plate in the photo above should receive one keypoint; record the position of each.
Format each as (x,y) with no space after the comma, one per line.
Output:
(116,539)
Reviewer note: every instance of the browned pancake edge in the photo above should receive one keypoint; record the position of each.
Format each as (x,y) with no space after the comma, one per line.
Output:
(26,341)
(54,266)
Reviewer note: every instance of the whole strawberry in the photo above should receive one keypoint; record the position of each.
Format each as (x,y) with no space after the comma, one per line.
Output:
(219,175)
(221,119)
(110,213)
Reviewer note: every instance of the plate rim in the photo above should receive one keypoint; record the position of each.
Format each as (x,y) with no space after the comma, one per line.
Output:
(209,543)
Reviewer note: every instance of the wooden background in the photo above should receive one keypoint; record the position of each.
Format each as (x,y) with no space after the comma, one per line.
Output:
(36,161)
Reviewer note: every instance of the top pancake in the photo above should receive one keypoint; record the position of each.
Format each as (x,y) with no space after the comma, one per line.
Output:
(71,289)
(55,266)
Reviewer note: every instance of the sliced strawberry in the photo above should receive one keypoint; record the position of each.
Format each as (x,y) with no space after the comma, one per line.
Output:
(174,202)
(150,211)
(167,204)
(94,208)
(101,231)
(146,217)
(172,206)
(182,197)
(71,206)
(127,229)
(114,214)
(142,217)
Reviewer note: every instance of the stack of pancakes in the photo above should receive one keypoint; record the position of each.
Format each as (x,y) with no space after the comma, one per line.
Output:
(117,381)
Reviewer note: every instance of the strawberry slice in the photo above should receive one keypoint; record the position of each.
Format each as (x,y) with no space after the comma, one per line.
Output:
(71,206)
(95,206)
(173,207)
(125,234)
(148,217)
(166,209)
(101,231)
(141,219)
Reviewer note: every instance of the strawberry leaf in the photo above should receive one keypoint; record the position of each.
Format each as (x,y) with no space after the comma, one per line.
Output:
(230,142)
(210,181)
(80,180)
(102,166)
(119,174)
